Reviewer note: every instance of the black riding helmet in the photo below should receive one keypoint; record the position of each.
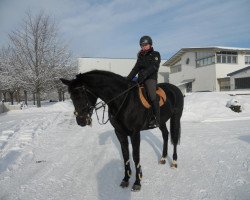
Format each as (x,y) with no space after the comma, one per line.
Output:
(146,40)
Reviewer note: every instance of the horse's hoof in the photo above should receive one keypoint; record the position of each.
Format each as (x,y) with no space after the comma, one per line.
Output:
(162,161)
(124,184)
(174,165)
(136,188)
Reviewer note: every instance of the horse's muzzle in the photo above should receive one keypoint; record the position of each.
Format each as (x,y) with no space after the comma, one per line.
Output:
(83,121)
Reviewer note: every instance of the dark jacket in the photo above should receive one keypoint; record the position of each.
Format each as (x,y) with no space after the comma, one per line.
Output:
(147,65)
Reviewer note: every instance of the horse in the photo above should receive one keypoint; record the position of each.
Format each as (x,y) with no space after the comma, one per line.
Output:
(126,113)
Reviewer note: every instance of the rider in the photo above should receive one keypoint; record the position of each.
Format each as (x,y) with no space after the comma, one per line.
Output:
(147,66)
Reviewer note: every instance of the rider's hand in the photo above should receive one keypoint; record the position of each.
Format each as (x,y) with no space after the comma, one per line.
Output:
(141,78)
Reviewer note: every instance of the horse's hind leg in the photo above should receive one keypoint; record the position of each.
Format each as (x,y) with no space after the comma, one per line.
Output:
(123,139)
(174,163)
(175,131)
(135,140)
(165,133)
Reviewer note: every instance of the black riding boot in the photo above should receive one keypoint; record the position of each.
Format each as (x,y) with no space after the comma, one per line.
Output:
(156,111)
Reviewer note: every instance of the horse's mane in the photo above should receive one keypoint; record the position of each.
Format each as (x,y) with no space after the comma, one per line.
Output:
(90,74)
(96,77)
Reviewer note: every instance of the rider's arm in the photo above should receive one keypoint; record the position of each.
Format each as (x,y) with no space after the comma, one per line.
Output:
(135,70)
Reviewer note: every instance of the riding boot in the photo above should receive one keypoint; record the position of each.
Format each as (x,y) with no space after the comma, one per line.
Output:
(156,111)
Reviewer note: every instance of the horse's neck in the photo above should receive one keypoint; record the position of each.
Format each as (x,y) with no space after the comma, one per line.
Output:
(106,88)
(107,93)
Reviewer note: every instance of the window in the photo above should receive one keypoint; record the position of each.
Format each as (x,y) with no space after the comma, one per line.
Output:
(200,55)
(205,58)
(187,61)
(198,63)
(213,59)
(234,59)
(175,69)
(209,60)
(218,59)
(247,60)
(226,57)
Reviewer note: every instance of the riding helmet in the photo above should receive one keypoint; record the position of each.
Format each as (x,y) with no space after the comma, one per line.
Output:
(146,40)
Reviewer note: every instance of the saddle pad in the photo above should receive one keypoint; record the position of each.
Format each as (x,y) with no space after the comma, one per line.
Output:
(160,92)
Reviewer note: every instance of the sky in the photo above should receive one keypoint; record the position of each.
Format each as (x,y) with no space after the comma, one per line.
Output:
(112,28)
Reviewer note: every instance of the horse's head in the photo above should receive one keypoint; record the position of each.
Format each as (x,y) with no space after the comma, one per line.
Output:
(83,99)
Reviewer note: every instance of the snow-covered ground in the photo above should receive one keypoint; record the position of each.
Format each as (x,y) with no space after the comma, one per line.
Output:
(45,155)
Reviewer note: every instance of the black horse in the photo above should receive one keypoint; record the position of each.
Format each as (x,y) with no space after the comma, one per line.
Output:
(126,113)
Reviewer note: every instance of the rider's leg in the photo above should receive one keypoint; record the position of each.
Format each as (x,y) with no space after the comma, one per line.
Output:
(151,89)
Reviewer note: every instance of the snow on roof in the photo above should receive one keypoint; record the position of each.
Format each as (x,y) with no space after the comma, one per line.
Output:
(179,53)
(220,47)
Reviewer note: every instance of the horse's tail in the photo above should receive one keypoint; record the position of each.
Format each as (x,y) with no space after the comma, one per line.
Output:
(176,101)
(175,127)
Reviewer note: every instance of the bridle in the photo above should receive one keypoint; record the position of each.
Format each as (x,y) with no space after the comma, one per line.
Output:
(88,106)
(100,105)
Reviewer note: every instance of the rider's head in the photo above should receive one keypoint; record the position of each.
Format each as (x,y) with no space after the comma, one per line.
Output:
(146,42)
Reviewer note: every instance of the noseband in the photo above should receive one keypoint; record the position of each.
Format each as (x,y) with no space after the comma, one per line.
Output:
(88,107)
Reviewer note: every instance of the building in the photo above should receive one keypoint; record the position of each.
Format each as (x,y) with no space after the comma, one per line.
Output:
(240,79)
(120,66)
(206,68)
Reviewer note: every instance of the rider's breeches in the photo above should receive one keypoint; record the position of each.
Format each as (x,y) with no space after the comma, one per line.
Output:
(151,88)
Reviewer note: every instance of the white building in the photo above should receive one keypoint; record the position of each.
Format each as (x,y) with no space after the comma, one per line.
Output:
(121,66)
(206,68)
(240,79)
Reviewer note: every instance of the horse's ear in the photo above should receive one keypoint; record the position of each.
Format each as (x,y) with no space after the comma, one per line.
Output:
(65,81)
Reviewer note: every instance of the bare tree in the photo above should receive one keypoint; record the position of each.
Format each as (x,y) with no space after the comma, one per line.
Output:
(39,53)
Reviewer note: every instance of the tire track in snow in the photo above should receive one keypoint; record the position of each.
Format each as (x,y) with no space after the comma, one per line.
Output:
(16,144)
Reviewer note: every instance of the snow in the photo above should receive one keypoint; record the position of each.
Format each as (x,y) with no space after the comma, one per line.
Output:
(210,107)
(44,154)
(233,102)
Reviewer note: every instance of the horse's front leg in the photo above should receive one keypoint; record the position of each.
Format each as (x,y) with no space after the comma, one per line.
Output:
(123,139)
(135,140)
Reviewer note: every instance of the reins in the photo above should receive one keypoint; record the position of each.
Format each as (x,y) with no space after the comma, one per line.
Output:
(104,104)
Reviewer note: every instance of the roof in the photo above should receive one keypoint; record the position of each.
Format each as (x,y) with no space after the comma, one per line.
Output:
(177,56)
(239,71)
(185,82)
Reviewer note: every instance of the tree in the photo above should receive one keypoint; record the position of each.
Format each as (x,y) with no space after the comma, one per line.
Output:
(9,82)
(40,55)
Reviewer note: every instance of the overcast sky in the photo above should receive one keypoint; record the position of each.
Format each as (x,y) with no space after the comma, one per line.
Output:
(112,28)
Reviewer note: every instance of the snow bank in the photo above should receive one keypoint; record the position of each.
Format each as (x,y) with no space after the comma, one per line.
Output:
(211,106)
(62,106)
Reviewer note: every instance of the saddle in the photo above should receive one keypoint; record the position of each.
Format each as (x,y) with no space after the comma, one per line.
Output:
(144,98)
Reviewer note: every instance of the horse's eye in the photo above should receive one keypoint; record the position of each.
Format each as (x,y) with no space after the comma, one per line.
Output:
(76,113)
